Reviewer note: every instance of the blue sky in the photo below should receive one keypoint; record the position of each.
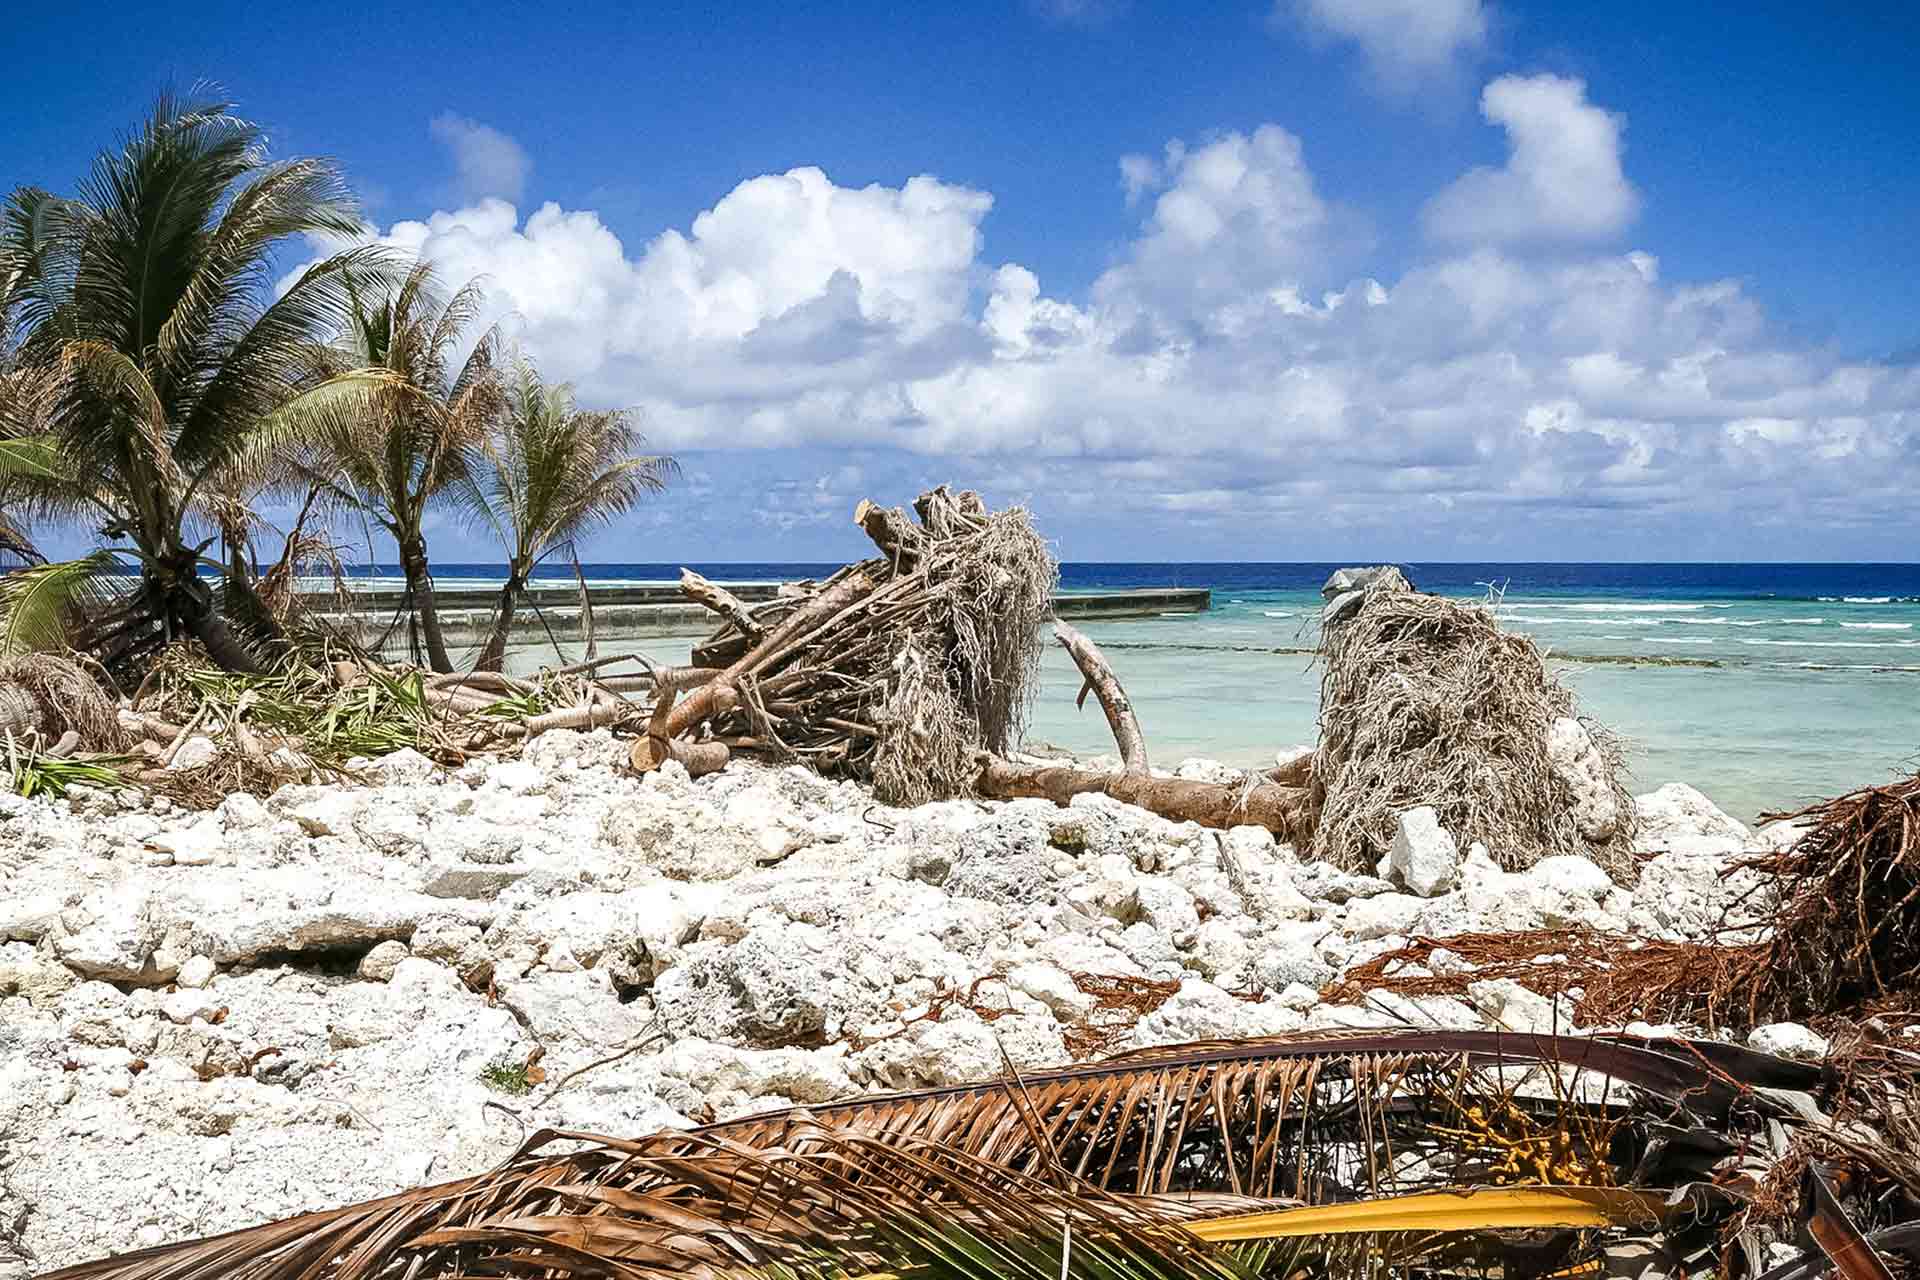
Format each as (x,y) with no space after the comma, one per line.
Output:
(1293,279)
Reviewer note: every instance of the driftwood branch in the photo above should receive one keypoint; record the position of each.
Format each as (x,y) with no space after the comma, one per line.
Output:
(1113,698)
(891,531)
(1281,810)
(723,602)
(814,615)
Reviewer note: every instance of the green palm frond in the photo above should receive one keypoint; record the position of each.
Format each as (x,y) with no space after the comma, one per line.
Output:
(37,603)
(398,427)
(32,458)
(555,471)
(150,291)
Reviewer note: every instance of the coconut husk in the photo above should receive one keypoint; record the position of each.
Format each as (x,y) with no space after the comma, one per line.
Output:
(1426,700)
(44,695)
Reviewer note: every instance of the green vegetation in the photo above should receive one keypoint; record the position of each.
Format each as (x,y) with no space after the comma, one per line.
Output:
(149,354)
(550,472)
(399,420)
(506,1076)
(33,773)
(161,383)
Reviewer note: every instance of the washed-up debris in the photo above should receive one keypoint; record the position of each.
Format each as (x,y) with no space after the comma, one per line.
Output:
(914,671)
(895,671)
(1426,700)
(1330,1153)
(1844,939)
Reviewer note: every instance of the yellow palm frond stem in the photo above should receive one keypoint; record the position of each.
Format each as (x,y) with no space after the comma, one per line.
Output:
(1494,1208)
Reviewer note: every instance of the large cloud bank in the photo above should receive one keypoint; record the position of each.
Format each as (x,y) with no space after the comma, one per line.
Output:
(1529,386)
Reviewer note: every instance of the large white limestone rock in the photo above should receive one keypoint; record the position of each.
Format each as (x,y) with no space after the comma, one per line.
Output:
(1789,1040)
(1677,811)
(1424,857)
(1577,762)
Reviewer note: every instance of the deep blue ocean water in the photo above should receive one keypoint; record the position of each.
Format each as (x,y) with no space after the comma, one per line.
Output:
(1811,582)
(1765,685)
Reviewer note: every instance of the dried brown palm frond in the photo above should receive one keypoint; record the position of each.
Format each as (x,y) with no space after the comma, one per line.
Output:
(837,1202)
(1850,887)
(1161,1135)
(1844,940)
(1425,700)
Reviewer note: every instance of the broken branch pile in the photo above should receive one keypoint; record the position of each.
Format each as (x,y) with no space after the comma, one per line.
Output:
(913,671)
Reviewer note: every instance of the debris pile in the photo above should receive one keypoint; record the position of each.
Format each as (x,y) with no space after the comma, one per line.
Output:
(1843,941)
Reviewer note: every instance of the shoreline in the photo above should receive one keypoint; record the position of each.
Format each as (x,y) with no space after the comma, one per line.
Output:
(351,988)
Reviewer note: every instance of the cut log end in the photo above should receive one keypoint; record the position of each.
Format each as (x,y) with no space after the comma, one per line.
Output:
(698,758)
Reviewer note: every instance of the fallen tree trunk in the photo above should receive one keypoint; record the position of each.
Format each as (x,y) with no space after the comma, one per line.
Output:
(816,614)
(697,758)
(659,746)
(1285,811)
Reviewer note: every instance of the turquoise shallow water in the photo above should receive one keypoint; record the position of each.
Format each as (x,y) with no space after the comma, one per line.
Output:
(1794,682)
(1795,709)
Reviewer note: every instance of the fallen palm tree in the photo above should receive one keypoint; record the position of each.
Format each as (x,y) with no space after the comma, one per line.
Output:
(1324,1151)
(1426,700)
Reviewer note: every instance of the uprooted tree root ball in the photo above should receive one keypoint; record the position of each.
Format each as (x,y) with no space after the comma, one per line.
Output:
(1425,700)
(897,671)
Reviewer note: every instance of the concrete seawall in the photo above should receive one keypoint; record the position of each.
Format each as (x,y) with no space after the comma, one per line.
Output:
(467,616)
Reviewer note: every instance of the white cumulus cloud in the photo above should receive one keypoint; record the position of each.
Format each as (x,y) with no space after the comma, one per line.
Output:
(1234,217)
(1563,179)
(1406,43)
(486,161)
(1573,402)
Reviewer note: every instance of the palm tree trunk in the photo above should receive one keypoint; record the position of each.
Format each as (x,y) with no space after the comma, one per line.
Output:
(211,630)
(494,656)
(413,560)
(181,599)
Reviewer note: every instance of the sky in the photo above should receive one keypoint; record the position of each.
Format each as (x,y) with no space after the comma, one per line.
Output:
(1243,279)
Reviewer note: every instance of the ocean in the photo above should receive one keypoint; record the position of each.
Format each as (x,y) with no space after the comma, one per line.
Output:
(1765,685)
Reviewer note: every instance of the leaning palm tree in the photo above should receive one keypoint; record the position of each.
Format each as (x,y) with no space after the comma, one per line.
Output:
(550,472)
(149,297)
(404,417)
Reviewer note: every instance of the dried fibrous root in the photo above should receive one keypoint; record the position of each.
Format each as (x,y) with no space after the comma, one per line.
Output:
(1426,700)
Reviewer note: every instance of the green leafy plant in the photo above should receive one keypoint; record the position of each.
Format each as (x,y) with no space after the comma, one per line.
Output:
(34,773)
(506,1076)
